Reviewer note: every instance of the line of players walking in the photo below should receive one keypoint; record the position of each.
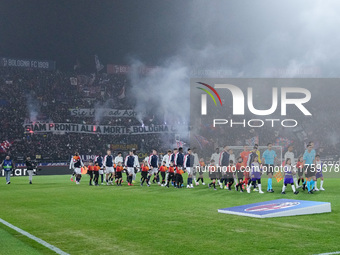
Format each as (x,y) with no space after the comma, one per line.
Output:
(244,172)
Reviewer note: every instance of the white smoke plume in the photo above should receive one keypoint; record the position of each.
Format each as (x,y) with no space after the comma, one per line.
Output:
(231,39)
(32,107)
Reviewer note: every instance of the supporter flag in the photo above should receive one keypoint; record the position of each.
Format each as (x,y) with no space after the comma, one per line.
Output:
(122,93)
(278,176)
(283,142)
(201,140)
(99,66)
(252,141)
(4,146)
(179,143)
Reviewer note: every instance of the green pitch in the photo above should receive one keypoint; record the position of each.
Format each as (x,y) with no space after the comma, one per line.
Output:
(82,219)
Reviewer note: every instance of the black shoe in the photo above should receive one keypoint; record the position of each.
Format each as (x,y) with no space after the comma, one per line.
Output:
(304,187)
(209,186)
(30,182)
(141,184)
(270,191)
(90,184)
(296,192)
(97,185)
(283,192)
(310,192)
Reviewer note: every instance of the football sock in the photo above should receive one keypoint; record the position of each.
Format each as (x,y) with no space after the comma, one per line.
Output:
(296,181)
(269,184)
(293,188)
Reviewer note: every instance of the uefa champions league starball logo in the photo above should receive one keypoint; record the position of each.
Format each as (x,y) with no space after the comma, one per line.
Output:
(271,207)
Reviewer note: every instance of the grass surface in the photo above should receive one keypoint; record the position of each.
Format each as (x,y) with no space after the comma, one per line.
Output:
(80,219)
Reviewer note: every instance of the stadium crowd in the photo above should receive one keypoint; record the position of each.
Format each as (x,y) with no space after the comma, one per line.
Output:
(29,96)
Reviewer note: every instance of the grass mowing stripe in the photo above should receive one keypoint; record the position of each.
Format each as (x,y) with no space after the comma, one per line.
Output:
(38,240)
(329,253)
(10,244)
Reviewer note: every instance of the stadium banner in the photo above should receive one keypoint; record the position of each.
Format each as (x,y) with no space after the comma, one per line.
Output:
(61,128)
(28,63)
(106,112)
(123,69)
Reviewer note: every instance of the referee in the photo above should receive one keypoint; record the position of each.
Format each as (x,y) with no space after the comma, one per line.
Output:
(309,163)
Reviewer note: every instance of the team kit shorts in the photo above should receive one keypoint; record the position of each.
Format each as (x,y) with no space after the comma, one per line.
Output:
(109,170)
(77,170)
(310,171)
(153,171)
(269,168)
(118,175)
(144,174)
(130,170)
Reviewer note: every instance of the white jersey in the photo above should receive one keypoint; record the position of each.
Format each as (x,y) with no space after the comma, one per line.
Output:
(318,165)
(166,158)
(291,156)
(136,161)
(196,160)
(119,159)
(147,161)
(216,157)
(232,157)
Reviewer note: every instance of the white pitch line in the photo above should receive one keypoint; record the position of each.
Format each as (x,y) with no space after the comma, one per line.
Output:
(329,253)
(38,240)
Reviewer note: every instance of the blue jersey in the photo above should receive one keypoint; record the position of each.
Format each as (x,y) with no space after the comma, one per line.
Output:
(153,160)
(130,161)
(108,161)
(99,160)
(179,159)
(224,158)
(189,160)
(269,156)
(309,157)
